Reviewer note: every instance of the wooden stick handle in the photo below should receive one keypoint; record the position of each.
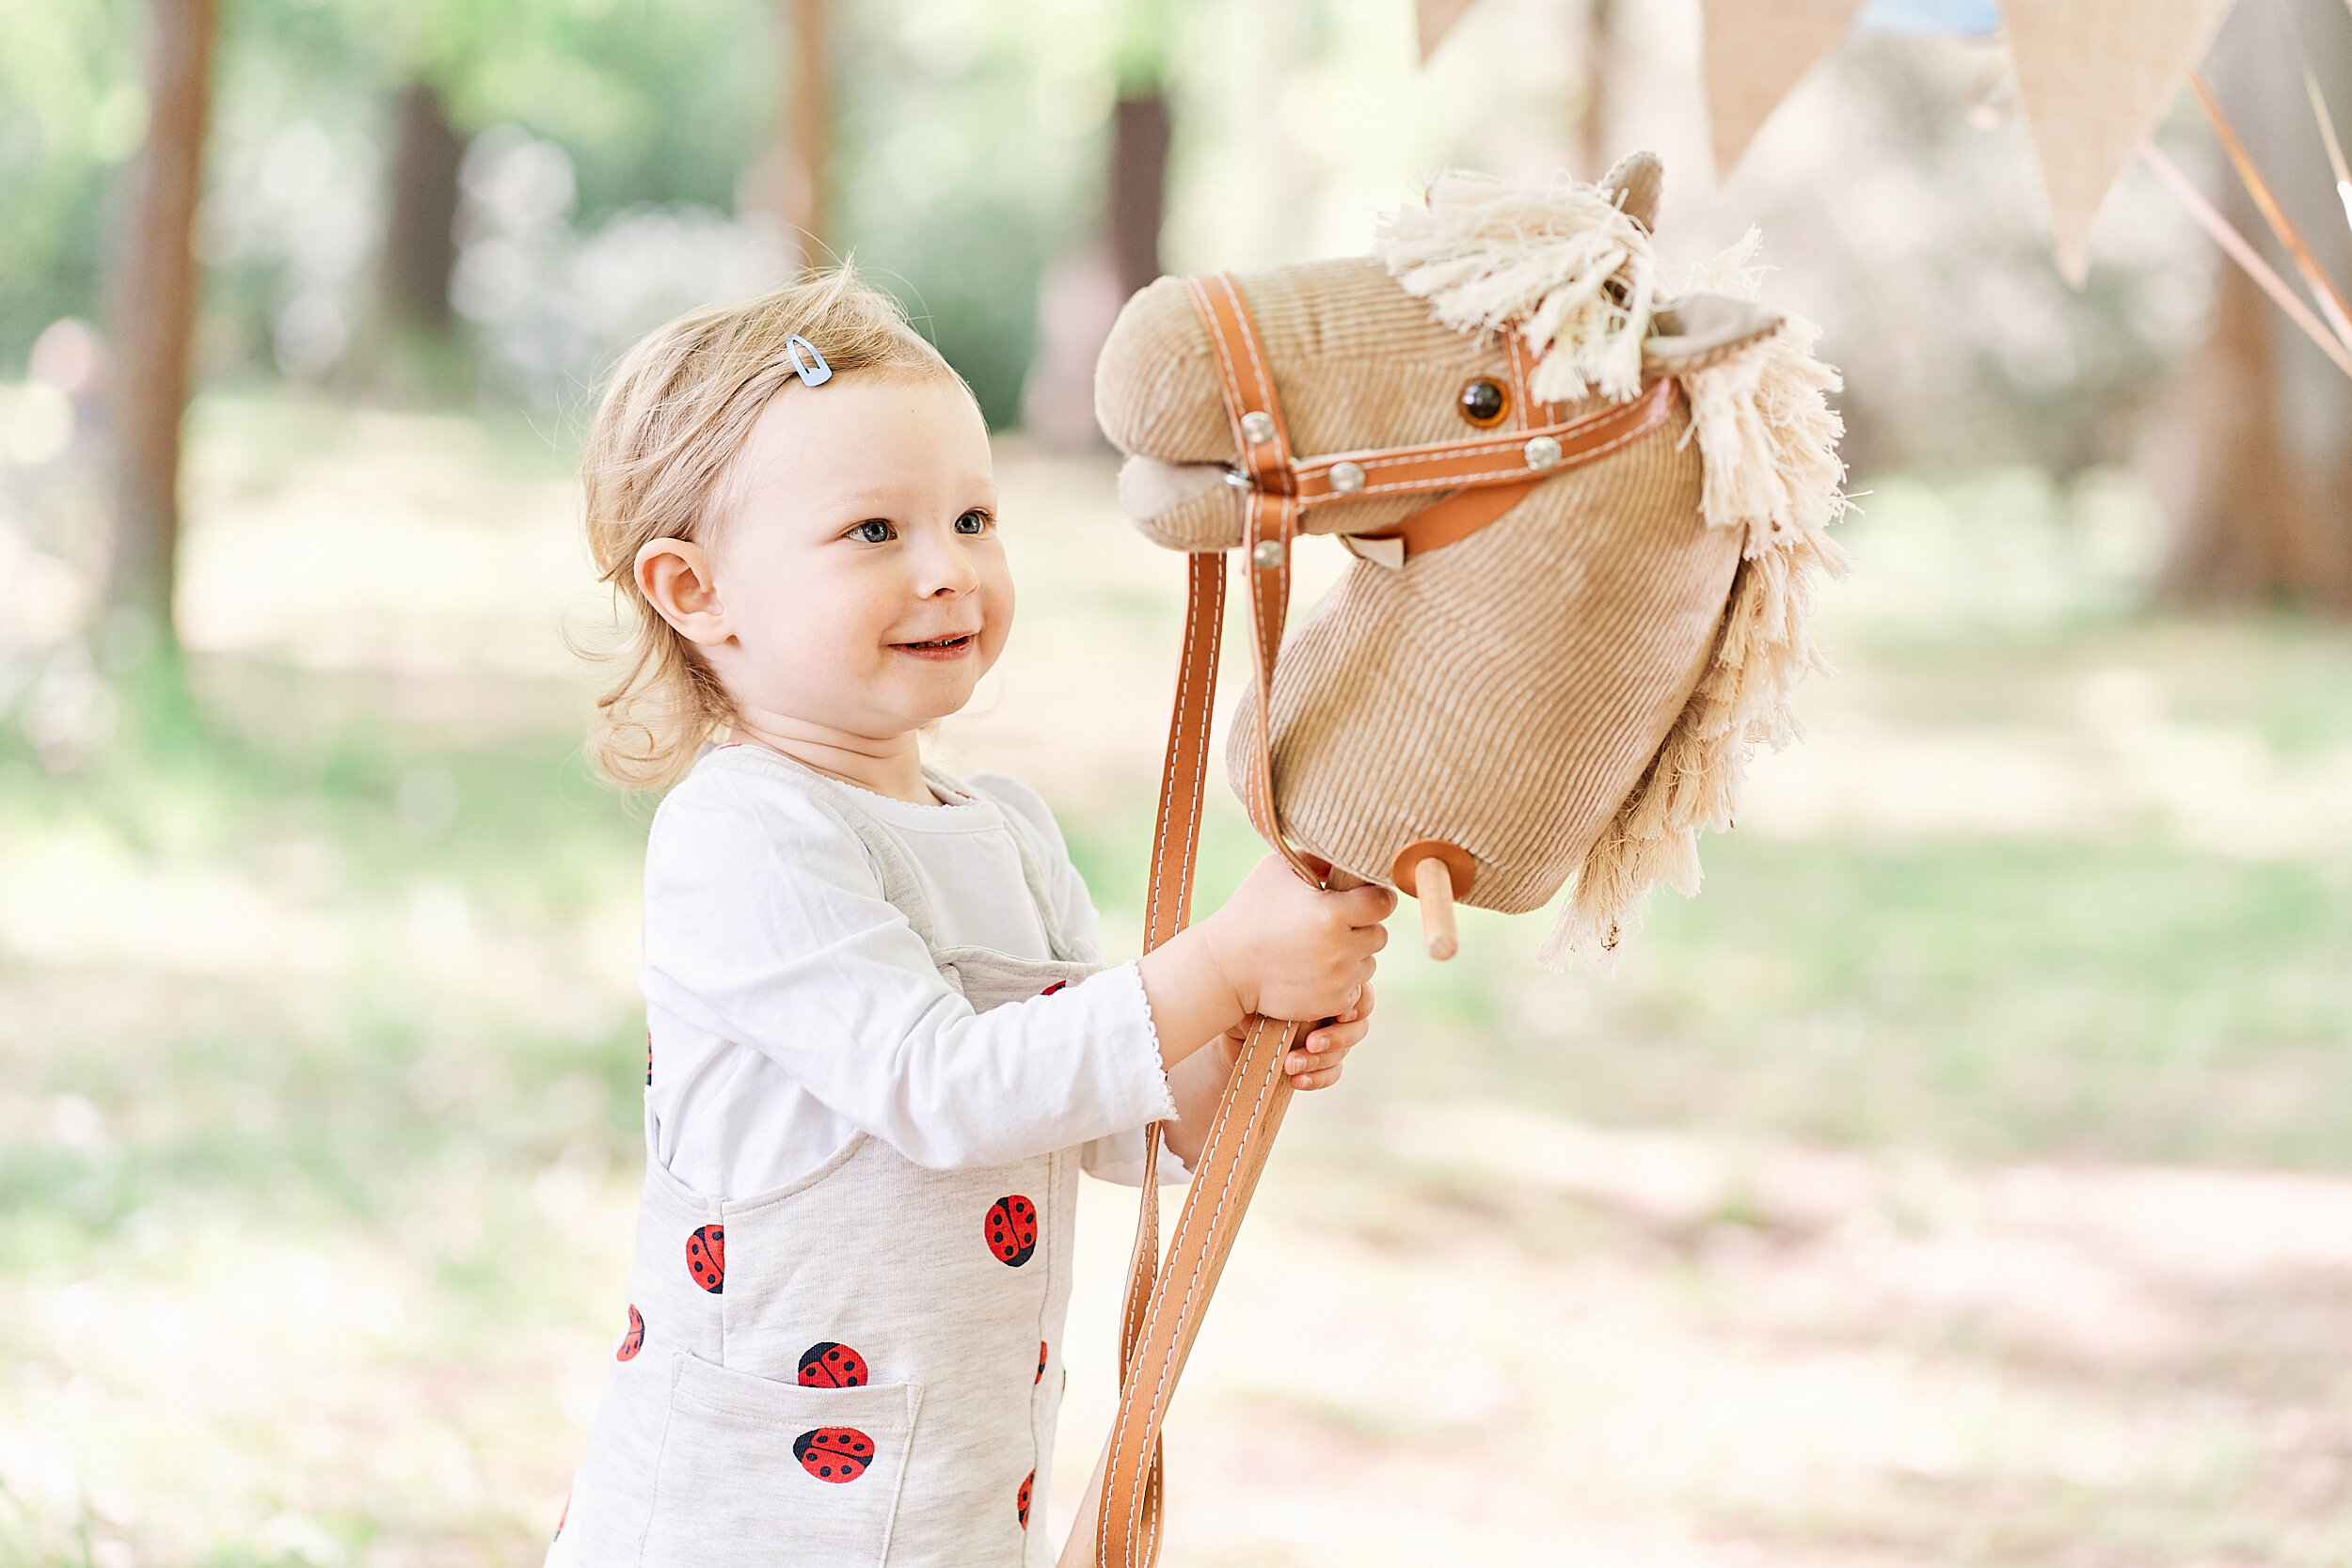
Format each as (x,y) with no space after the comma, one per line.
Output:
(1433,884)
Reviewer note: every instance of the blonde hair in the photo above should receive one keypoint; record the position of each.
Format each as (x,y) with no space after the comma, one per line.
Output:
(674,415)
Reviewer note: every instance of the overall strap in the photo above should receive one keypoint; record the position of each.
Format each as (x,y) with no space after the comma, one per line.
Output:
(900,887)
(1033,858)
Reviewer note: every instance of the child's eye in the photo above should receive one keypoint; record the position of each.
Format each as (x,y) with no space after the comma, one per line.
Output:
(874,531)
(973,521)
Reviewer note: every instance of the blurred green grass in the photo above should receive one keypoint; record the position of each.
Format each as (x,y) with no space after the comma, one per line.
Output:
(2006,1000)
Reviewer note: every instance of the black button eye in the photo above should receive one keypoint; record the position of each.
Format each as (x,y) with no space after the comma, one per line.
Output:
(1485,403)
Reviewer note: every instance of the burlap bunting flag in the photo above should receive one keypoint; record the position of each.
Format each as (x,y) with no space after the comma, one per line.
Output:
(1437,17)
(1754,52)
(2093,78)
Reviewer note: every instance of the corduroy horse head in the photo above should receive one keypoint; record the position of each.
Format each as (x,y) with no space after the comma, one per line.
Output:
(1587,506)
(1554,672)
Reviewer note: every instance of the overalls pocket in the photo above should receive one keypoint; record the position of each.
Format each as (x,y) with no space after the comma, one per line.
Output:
(753,1471)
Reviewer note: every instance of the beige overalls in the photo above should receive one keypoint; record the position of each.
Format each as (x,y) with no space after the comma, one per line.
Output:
(859,1368)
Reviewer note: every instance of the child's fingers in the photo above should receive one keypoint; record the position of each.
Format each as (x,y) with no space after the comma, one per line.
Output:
(1305,1070)
(1322,1078)
(1361,1009)
(1368,905)
(1335,1037)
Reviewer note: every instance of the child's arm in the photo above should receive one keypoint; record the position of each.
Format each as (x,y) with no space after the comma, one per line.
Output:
(1278,948)
(765,927)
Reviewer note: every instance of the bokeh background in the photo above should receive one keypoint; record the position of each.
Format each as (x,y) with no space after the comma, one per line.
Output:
(1964,1177)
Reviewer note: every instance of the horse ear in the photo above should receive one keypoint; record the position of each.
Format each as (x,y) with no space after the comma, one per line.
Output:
(1700,330)
(1637,180)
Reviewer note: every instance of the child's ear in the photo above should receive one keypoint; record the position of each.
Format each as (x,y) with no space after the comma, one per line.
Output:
(675,577)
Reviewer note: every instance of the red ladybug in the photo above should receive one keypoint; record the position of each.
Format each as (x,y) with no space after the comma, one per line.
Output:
(634,1341)
(833,1453)
(706,1258)
(826,1365)
(1033,1382)
(1021,1502)
(568,1513)
(1052,989)
(1011,1229)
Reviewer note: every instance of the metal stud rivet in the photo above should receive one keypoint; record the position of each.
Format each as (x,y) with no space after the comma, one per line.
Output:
(1347,478)
(1257,426)
(1266,554)
(1543,453)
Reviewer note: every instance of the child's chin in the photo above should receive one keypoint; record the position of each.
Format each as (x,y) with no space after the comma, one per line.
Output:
(946,700)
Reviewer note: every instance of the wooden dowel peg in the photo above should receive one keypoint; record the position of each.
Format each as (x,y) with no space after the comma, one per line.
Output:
(1433,884)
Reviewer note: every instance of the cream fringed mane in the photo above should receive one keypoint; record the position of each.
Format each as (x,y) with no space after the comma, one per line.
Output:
(1569,271)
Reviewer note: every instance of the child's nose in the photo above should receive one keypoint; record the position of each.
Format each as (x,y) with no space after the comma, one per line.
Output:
(947,571)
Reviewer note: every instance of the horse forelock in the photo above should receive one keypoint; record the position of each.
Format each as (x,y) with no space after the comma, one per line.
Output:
(1562,265)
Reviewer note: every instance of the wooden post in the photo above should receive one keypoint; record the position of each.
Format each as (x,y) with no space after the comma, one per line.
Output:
(1433,884)
(154,310)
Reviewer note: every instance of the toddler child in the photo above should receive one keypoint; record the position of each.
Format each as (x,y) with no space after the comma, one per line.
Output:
(883,1043)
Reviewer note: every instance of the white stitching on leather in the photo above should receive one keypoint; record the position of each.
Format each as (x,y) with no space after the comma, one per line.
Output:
(1271,1079)
(1266,378)
(1649,417)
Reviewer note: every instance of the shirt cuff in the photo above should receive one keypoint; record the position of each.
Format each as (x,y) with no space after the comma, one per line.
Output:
(1119,1156)
(1147,1086)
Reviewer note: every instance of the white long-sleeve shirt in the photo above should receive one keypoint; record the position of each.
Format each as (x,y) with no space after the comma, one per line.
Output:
(792,1008)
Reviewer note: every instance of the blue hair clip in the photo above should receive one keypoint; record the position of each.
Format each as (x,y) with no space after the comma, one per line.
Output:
(811,375)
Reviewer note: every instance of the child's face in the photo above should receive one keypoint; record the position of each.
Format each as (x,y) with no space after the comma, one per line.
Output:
(858,583)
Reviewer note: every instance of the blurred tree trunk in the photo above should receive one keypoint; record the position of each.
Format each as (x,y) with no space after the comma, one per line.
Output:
(1080,296)
(788,179)
(1593,147)
(1138,184)
(2247,521)
(154,309)
(808,134)
(421,231)
(2260,506)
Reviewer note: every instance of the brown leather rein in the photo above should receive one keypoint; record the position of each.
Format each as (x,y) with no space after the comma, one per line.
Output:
(1476,479)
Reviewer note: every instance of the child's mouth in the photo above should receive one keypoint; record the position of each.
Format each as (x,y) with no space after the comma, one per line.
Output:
(941,647)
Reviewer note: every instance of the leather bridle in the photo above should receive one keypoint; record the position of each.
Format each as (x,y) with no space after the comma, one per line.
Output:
(1474,481)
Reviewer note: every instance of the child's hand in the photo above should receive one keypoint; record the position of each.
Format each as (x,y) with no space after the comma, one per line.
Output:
(1315,1063)
(1289,951)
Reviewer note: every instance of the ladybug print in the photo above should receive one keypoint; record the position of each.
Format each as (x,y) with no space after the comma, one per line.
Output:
(568,1513)
(706,1258)
(634,1341)
(1021,1502)
(1011,1229)
(1055,987)
(1033,1382)
(826,1365)
(649,1058)
(837,1454)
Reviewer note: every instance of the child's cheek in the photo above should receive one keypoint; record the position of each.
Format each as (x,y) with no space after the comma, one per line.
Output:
(998,600)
